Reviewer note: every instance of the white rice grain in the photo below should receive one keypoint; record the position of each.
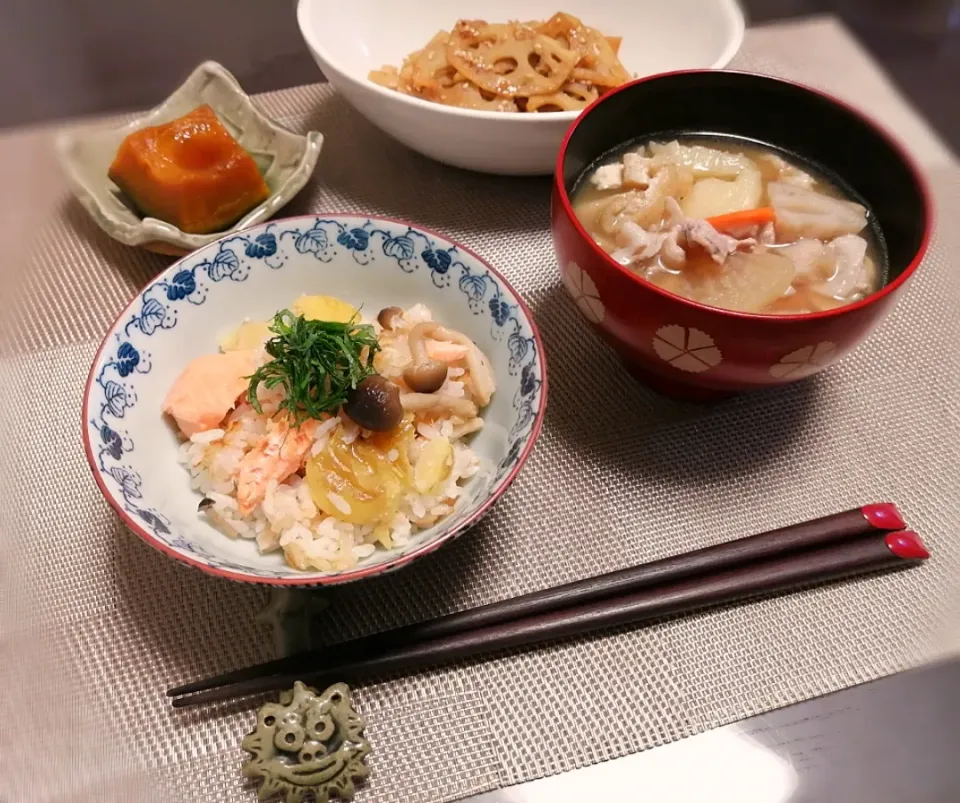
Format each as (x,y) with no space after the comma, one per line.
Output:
(400,530)
(267,539)
(350,431)
(340,503)
(239,527)
(452,387)
(296,532)
(225,462)
(327,528)
(428,431)
(308,507)
(363,534)
(209,436)
(362,551)
(417,507)
(281,506)
(322,435)
(222,486)
(418,313)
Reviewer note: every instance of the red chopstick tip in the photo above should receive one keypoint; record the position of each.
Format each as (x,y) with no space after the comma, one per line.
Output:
(884,516)
(907,544)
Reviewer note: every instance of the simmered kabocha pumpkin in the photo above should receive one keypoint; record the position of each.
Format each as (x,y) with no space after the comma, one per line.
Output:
(189,172)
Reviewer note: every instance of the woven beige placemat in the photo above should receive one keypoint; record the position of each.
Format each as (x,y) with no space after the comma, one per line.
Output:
(94,625)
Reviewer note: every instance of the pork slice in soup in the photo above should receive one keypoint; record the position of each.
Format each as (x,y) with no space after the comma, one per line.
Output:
(733,225)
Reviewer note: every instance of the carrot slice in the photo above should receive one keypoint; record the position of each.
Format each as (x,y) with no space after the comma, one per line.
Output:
(738,220)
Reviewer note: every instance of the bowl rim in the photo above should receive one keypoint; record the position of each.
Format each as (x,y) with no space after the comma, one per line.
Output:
(892,141)
(361,572)
(732,8)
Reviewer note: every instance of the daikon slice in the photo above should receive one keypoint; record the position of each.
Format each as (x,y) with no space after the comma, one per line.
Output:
(746,282)
(775,168)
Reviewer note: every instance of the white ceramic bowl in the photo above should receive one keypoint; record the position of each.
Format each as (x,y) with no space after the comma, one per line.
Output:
(348,39)
(371,262)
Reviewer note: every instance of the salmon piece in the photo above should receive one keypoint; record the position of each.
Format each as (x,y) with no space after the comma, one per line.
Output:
(445,351)
(208,389)
(278,455)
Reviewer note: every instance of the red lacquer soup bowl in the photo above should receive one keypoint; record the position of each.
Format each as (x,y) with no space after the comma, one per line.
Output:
(687,349)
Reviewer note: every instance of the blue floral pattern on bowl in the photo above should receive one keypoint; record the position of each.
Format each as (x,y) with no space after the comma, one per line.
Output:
(355,252)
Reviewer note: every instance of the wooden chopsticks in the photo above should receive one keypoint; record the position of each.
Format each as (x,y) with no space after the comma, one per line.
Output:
(858,541)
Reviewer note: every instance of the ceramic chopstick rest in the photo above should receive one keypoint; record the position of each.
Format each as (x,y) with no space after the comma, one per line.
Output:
(308,743)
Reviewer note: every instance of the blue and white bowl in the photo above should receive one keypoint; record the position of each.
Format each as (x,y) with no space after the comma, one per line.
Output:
(369,262)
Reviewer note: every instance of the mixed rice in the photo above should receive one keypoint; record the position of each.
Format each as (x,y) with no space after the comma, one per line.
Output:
(278,502)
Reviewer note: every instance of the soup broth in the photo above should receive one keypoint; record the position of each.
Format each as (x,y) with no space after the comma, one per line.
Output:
(732,224)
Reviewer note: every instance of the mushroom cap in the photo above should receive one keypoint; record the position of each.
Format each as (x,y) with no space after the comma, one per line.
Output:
(375,404)
(387,317)
(425,377)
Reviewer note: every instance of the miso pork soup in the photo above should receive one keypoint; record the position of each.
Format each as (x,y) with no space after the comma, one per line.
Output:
(732,224)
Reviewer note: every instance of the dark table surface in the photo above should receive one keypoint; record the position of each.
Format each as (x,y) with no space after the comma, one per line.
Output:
(63,58)
(891,741)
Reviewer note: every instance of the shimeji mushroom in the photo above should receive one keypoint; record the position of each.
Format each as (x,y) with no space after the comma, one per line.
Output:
(481,375)
(206,507)
(438,403)
(375,404)
(389,317)
(424,375)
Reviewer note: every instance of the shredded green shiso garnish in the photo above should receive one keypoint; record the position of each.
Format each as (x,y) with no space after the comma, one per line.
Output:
(317,363)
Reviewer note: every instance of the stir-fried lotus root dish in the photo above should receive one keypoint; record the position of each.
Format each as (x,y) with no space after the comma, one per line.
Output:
(326,437)
(557,65)
(733,225)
